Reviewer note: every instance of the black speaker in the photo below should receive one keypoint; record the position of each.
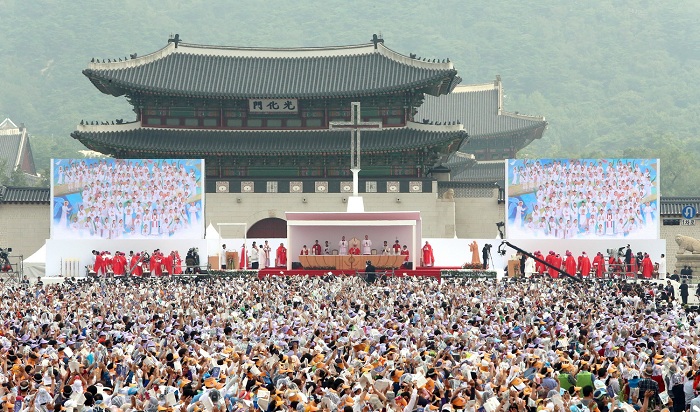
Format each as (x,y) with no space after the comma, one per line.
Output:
(408,265)
(297,266)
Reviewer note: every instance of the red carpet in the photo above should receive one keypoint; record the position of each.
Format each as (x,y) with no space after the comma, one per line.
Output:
(421,271)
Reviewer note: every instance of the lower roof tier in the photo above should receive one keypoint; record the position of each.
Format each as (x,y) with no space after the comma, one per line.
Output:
(130,139)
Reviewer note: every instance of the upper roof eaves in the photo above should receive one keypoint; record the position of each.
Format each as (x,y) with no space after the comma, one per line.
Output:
(268,53)
(297,67)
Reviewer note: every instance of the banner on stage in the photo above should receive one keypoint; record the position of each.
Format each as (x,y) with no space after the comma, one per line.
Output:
(582,198)
(127,198)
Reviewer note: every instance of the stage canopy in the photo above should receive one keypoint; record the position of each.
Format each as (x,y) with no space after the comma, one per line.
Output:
(305,228)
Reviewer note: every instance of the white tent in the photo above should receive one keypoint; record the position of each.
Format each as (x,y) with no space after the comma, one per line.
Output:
(212,240)
(35,265)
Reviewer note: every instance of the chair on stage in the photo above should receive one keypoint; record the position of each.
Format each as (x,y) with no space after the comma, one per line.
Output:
(90,270)
(334,252)
(373,252)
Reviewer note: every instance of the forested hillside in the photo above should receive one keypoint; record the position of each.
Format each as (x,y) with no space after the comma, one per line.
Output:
(612,78)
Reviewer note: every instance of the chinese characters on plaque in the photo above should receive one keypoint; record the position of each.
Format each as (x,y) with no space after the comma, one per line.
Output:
(273,106)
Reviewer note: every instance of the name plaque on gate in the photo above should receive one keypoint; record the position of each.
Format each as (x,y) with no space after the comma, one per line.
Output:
(273,106)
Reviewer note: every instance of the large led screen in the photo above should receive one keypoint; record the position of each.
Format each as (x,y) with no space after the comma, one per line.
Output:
(582,198)
(127,199)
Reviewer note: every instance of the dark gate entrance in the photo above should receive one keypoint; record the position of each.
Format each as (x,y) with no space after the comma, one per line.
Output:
(270,228)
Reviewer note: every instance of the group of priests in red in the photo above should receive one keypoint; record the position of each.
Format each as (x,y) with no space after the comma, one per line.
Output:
(137,264)
(583,266)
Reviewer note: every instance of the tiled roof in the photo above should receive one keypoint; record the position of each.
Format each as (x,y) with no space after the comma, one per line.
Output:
(228,72)
(479,173)
(673,206)
(188,143)
(479,109)
(15,150)
(10,194)
(9,147)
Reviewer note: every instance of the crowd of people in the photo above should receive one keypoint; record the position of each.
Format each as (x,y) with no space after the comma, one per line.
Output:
(340,344)
(115,199)
(583,199)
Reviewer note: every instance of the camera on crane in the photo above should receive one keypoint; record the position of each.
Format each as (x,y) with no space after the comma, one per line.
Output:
(4,253)
(5,265)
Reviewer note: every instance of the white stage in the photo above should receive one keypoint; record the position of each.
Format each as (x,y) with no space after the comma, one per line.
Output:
(447,252)
(305,228)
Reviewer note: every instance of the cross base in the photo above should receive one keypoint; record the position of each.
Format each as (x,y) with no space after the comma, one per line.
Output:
(356,204)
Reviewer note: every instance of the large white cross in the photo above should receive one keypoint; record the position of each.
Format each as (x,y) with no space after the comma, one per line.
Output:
(355,125)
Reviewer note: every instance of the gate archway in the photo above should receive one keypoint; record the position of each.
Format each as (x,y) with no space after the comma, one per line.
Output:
(269,228)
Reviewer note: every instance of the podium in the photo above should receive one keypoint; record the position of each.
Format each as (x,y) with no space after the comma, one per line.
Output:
(213,262)
(232,261)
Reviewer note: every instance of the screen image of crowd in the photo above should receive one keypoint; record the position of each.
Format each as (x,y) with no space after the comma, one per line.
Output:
(136,199)
(582,198)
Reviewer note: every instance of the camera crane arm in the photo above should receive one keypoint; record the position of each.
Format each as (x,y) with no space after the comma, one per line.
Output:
(528,254)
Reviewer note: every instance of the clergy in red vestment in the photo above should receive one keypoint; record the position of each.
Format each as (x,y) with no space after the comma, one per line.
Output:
(539,266)
(647,266)
(98,266)
(428,258)
(558,262)
(551,259)
(584,265)
(354,250)
(578,263)
(406,256)
(304,251)
(156,260)
(125,263)
(316,248)
(570,264)
(281,256)
(168,262)
(243,264)
(106,263)
(397,248)
(119,264)
(136,264)
(599,265)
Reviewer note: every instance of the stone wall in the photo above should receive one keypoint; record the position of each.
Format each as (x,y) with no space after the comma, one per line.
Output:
(437,214)
(23,227)
(477,217)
